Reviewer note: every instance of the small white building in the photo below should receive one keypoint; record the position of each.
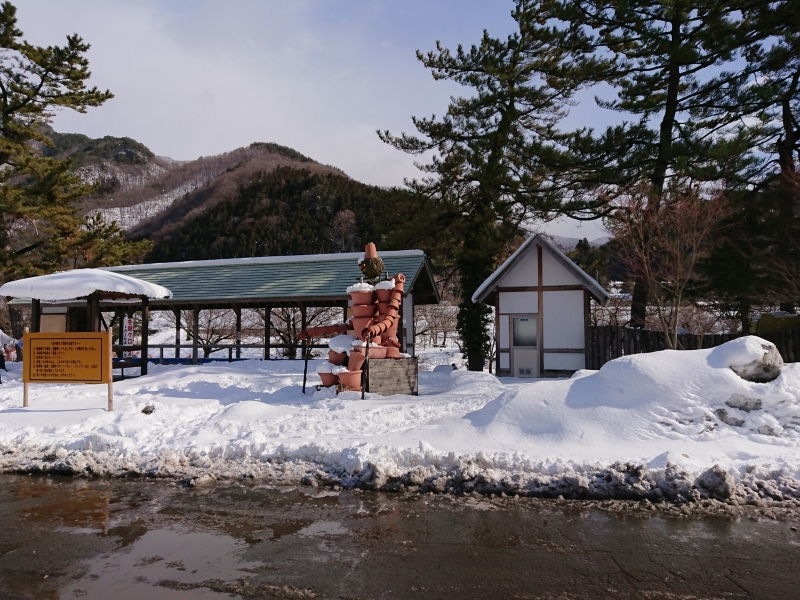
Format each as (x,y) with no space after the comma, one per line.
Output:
(541,301)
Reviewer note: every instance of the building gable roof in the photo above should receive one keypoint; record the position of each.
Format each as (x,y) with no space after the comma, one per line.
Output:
(594,288)
(314,278)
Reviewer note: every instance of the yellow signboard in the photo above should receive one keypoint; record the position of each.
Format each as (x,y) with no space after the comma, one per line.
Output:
(67,358)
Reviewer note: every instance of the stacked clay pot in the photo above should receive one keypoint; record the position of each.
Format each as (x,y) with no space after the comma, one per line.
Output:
(375,320)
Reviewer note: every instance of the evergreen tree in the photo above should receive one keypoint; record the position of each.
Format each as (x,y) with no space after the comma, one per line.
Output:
(494,153)
(665,56)
(41,228)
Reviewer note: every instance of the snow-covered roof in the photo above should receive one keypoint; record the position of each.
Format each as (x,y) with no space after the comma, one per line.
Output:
(595,289)
(68,285)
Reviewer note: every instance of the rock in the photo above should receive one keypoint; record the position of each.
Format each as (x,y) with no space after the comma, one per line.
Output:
(149,409)
(766,368)
(716,483)
(744,403)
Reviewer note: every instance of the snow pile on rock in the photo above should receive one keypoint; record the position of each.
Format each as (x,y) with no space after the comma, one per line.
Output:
(673,425)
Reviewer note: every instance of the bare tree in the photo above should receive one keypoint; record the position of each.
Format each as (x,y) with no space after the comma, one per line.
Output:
(215,326)
(434,323)
(286,324)
(661,242)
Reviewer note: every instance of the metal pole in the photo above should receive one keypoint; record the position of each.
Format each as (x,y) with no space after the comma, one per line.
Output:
(365,372)
(305,365)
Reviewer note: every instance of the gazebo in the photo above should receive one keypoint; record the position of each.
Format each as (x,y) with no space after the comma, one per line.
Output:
(70,301)
(263,283)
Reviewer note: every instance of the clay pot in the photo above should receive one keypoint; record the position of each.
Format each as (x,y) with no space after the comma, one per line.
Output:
(363,310)
(384,308)
(377,352)
(328,379)
(351,380)
(392,331)
(337,358)
(356,360)
(359,324)
(383,295)
(392,352)
(362,297)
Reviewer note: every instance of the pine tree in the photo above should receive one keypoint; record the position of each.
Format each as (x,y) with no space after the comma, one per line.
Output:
(665,56)
(494,150)
(39,194)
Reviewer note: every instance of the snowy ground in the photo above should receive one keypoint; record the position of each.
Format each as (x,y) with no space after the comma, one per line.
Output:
(670,425)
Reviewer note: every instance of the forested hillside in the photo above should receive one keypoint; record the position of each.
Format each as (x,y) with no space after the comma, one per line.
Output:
(279,212)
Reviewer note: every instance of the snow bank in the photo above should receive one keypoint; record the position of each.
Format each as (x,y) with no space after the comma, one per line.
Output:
(669,425)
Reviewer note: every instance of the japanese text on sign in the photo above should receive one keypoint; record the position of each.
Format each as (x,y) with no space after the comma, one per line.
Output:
(77,358)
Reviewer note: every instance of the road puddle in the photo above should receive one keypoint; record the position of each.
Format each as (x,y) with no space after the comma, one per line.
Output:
(122,539)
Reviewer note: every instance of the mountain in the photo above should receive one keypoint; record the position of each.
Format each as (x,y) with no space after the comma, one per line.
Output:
(568,243)
(281,211)
(135,185)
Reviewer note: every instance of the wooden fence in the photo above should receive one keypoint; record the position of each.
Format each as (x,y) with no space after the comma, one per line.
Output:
(607,342)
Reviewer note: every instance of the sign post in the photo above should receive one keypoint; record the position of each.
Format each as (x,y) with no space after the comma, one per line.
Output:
(67,358)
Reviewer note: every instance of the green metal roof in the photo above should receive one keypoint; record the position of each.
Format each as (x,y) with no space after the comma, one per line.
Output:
(318,278)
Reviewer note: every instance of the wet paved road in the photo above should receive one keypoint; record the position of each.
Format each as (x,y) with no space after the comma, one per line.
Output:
(65,538)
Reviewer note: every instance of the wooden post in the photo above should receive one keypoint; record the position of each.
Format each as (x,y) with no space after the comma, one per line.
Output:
(540,315)
(110,396)
(267,325)
(94,312)
(25,395)
(303,322)
(305,365)
(238,312)
(36,315)
(195,328)
(145,334)
(177,314)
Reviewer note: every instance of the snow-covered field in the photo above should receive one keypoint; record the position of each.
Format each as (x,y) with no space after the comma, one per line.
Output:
(668,425)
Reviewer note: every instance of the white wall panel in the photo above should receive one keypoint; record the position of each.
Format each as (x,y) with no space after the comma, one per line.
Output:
(505,360)
(504,341)
(519,302)
(563,319)
(564,362)
(554,273)
(524,273)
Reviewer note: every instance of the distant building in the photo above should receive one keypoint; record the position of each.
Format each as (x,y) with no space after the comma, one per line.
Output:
(542,301)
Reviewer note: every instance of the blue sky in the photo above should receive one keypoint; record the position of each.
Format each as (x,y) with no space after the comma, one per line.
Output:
(195,78)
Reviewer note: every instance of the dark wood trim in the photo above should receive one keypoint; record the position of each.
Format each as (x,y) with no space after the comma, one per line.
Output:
(564,350)
(177,314)
(238,312)
(505,350)
(145,334)
(195,328)
(36,315)
(546,288)
(496,333)
(540,309)
(267,331)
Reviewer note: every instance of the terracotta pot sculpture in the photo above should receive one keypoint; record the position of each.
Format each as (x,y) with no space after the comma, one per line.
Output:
(377,352)
(363,310)
(359,324)
(328,379)
(337,358)
(377,322)
(392,352)
(351,380)
(356,360)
